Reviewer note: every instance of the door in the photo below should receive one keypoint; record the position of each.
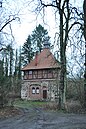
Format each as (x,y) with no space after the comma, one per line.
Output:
(44,94)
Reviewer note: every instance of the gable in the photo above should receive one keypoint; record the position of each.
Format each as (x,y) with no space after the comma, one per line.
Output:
(42,61)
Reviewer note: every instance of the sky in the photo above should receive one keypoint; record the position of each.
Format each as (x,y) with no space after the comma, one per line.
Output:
(28,21)
(28,24)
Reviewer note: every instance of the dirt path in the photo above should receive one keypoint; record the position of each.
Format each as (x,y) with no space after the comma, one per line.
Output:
(36,118)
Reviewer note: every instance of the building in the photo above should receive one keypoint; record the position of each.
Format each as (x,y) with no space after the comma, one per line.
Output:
(41,77)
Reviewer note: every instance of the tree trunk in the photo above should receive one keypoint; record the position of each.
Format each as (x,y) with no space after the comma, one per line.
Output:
(63,44)
(84,9)
(62,60)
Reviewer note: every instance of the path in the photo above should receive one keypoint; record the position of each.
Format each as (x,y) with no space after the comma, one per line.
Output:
(36,118)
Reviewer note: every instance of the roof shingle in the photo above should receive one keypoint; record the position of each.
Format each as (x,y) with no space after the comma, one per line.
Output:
(42,61)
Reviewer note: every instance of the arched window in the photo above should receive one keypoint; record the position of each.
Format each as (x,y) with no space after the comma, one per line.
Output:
(33,90)
(37,90)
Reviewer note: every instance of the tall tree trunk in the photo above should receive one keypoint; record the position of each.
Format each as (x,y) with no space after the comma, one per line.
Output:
(62,55)
(1,83)
(84,9)
(16,64)
(19,67)
(63,44)
(6,66)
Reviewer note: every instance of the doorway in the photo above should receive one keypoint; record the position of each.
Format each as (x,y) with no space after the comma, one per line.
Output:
(44,94)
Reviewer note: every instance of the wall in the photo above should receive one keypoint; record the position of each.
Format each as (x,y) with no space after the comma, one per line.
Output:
(50,86)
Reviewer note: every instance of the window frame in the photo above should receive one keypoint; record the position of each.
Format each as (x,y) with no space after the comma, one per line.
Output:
(37,90)
(33,90)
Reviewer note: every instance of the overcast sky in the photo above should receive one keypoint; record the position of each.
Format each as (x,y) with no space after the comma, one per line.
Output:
(28,21)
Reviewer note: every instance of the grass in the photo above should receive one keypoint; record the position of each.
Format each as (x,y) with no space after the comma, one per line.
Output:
(27,103)
(42,104)
(71,108)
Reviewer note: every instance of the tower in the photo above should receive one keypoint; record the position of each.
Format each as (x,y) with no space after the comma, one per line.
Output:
(46,44)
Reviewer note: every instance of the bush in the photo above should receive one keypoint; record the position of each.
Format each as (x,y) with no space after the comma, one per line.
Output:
(73,106)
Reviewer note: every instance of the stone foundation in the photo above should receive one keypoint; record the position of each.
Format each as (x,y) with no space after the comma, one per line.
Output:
(39,90)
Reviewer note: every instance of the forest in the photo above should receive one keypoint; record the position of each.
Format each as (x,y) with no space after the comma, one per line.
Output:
(68,45)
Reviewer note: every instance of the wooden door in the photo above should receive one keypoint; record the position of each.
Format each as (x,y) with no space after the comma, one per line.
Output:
(44,94)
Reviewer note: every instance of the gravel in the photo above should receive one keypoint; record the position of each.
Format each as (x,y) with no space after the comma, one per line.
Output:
(37,118)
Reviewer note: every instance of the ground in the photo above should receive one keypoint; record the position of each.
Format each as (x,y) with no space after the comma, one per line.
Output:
(39,118)
(8,112)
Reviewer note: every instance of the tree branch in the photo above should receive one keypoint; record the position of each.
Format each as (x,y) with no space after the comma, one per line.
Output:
(46,5)
(8,21)
(1,49)
(75,23)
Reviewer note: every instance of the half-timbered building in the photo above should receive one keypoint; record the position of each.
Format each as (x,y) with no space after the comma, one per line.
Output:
(41,77)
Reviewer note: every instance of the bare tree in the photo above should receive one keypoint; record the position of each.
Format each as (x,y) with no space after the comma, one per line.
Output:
(84,9)
(7,17)
(67,20)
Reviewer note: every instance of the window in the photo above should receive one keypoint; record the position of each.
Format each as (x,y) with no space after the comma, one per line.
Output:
(39,73)
(50,73)
(35,74)
(37,90)
(30,72)
(26,72)
(45,73)
(33,90)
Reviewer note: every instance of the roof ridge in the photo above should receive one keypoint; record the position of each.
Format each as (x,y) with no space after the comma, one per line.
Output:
(45,59)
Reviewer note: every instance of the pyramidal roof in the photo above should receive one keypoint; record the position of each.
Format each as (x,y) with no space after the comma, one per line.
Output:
(43,60)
